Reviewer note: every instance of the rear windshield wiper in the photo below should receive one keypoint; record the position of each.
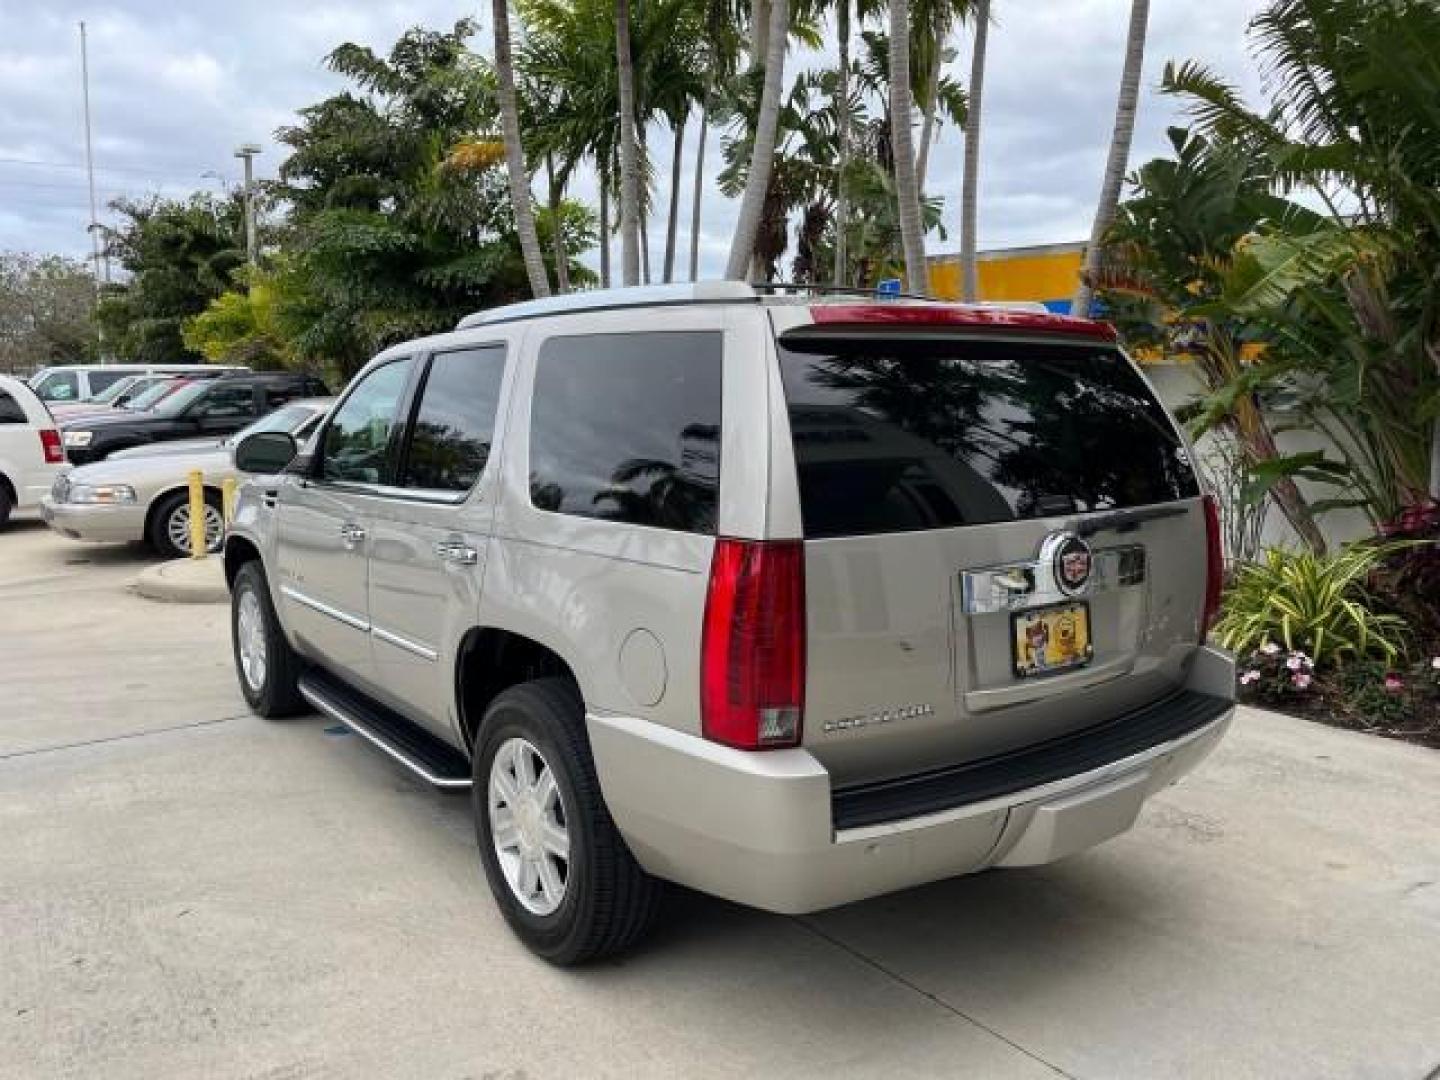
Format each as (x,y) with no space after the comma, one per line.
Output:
(1126,520)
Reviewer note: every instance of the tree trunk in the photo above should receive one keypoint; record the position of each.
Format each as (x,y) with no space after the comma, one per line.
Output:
(699,191)
(907,190)
(645,247)
(515,155)
(557,237)
(928,108)
(674,223)
(969,192)
(762,157)
(604,227)
(1119,152)
(629,165)
(842,114)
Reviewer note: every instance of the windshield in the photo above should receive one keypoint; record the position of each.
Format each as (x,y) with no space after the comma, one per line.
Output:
(114,390)
(893,435)
(180,400)
(58,386)
(150,395)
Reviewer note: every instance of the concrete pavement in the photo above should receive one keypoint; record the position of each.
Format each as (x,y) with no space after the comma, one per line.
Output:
(186,890)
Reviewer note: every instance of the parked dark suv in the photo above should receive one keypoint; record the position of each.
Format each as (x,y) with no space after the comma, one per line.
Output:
(207,407)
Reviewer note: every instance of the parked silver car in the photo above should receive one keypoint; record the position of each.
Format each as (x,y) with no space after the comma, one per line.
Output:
(792,601)
(143,493)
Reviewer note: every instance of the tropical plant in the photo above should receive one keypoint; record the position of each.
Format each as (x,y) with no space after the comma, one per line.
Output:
(519,174)
(770,30)
(1119,154)
(244,326)
(970,180)
(1164,274)
(907,187)
(1353,305)
(1310,603)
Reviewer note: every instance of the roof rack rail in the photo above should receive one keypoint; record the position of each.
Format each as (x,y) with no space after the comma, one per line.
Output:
(700,292)
(772,287)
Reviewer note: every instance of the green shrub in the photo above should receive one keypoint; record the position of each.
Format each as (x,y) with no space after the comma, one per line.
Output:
(1311,604)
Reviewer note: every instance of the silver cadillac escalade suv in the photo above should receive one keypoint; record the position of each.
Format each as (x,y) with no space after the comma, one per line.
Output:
(792,599)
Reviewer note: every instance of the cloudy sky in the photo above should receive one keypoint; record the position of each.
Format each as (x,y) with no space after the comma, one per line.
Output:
(176,86)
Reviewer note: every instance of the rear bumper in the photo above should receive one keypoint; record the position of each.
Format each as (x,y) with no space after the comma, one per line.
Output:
(760,828)
(102,523)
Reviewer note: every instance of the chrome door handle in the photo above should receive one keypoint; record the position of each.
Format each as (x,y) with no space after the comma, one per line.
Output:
(457,551)
(351,535)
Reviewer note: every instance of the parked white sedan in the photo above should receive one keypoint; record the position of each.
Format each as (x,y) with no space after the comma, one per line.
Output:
(143,494)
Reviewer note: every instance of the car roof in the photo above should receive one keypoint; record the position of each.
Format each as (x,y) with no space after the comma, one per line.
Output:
(828,304)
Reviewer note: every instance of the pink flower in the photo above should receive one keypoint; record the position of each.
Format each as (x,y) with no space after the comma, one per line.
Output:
(1301,679)
(1269,648)
(1393,683)
(1248,677)
(1296,662)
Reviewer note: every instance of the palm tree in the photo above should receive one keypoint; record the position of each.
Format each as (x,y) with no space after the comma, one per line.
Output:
(1119,156)
(842,135)
(515,155)
(970,184)
(907,188)
(757,182)
(629,163)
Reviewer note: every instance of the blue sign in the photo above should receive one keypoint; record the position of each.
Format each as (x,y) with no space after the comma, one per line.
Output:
(889,286)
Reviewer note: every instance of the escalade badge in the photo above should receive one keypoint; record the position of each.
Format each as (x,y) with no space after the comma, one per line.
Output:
(1070,561)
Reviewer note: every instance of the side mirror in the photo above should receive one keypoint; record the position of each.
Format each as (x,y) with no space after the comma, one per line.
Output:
(265,452)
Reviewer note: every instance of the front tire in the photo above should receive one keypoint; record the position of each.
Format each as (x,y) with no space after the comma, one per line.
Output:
(266,666)
(169,532)
(557,866)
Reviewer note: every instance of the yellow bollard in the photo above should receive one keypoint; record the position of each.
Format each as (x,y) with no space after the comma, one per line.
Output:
(227,499)
(197,514)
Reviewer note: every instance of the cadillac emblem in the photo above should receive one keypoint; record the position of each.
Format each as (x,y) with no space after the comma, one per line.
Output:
(1070,561)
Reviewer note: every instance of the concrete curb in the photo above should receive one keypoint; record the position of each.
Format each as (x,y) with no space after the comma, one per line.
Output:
(185,581)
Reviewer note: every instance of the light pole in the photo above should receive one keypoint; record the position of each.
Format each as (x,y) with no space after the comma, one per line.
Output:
(246,152)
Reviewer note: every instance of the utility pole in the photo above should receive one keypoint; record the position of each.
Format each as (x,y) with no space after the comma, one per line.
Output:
(246,152)
(94,227)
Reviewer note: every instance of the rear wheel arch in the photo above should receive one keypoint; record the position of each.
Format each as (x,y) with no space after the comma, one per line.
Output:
(489,661)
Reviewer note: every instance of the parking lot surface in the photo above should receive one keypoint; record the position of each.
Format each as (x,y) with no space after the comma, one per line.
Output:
(187,890)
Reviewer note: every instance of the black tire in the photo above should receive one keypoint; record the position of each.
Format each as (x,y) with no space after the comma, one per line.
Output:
(278,693)
(7,502)
(609,901)
(158,532)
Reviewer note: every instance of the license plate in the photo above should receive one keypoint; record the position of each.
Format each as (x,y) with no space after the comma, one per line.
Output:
(1050,639)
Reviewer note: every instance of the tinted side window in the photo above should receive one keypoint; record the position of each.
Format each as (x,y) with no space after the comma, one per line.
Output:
(455,423)
(10,410)
(894,434)
(224,402)
(358,435)
(626,427)
(61,386)
(100,380)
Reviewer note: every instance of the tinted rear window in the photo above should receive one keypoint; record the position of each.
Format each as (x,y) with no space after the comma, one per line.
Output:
(11,411)
(899,434)
(626,427)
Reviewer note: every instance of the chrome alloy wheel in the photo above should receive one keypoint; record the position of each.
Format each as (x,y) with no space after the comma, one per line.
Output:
(250,640)
(177,528)
(527,826)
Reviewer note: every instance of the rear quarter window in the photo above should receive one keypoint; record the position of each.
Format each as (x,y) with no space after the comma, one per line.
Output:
(11,411)
(626,427)
(896,434)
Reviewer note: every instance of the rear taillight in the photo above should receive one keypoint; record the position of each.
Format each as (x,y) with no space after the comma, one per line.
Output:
(50,444)
(1214,566)
(752,652)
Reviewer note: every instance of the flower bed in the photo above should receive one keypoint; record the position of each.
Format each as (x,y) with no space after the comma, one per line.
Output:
(1400,702)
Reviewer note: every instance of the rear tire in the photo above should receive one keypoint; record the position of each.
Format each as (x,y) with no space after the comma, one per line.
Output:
(7,503)
(169,529)
(606,902)
(268,669)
